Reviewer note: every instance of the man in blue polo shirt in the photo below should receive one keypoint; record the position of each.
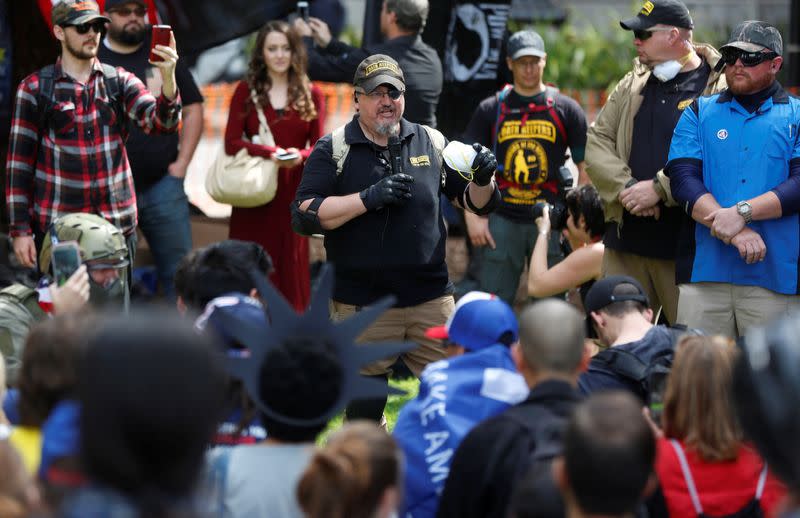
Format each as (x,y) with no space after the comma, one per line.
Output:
(734,166)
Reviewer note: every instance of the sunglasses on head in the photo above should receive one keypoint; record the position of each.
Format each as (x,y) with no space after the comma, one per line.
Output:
(126,11)
(749,59)
(645,34)
(83,28)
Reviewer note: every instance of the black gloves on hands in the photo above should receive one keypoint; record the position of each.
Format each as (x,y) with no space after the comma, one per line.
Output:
(392,190)
(484,165)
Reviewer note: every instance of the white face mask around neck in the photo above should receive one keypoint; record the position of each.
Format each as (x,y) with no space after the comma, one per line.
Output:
(669,69)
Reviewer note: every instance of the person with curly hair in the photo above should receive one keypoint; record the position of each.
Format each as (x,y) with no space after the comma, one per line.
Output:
(294,110)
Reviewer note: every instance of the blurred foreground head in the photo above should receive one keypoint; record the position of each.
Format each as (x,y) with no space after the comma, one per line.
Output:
(606,434)
(766,393)
(152,392)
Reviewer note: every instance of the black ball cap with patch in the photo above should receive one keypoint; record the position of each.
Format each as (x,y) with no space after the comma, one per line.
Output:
(663,12)
(376,70)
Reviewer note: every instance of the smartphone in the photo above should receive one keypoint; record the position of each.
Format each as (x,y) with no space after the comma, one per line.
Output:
(66,259)
(287,155)
(160,36)
(302,10)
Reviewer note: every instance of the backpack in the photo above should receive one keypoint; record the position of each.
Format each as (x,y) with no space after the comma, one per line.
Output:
(19,311)
(651,378)
(342,148)
(45,98)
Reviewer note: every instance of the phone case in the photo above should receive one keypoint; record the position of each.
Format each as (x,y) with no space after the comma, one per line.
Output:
(160,37)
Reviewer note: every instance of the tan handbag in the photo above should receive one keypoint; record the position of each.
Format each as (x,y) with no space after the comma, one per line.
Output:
(243,180)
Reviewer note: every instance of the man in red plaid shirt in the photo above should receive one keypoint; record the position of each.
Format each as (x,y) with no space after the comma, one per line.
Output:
(67,154)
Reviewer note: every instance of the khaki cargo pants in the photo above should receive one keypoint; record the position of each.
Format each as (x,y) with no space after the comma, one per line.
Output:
(403,324)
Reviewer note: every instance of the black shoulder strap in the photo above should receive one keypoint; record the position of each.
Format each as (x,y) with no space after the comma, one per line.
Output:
(111,80)
(623,363)
(46,95)
(111,77)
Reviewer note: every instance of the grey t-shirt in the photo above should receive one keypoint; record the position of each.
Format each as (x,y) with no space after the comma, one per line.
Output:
(260,480)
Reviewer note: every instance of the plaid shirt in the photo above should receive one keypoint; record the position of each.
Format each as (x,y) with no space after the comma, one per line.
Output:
(78,162)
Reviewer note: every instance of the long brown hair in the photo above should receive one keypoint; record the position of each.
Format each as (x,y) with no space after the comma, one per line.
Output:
(299,85)
(348,477)
(697,403)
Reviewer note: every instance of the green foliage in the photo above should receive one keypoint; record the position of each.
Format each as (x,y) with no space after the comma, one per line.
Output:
(584,57)
(393,406)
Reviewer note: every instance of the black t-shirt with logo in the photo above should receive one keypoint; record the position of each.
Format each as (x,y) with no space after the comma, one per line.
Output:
(653,125)
(530,145)
(150,155)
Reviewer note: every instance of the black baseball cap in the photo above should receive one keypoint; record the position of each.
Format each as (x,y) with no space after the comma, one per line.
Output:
(71,12)
(377,70)
(664,12)
(755,36)
(607,291)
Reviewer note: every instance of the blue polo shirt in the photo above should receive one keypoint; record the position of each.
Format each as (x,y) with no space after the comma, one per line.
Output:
(743,155)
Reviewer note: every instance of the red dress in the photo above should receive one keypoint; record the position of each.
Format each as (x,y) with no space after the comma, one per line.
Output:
(270,225)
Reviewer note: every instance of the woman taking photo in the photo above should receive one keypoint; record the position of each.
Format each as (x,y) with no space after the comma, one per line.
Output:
(584,228)
(704,467)
(294,112)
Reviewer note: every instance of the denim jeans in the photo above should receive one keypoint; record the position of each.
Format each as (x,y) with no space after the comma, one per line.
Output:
(164,221)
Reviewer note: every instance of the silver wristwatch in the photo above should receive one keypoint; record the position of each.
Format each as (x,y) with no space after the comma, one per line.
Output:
(745,210)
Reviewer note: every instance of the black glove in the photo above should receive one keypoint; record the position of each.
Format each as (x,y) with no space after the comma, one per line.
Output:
(484,165)
(392,190)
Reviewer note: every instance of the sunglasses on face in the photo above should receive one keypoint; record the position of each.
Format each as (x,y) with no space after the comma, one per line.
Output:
(645,34)
(749,59)
(392,94)
(83,28)
(126,11)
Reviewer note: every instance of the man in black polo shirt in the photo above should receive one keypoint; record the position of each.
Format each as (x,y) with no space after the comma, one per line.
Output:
(373,188)
(402,22)
(627,147)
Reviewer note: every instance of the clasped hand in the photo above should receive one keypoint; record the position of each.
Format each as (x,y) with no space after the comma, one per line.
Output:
(728,226)
(725,223)
(641,199)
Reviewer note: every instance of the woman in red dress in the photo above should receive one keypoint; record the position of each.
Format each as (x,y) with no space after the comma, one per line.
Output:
(294,111)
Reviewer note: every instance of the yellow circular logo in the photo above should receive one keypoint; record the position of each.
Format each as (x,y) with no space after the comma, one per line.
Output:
(526,165)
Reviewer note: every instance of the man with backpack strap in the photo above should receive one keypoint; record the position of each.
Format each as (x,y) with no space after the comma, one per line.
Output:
(638,354)
(67,144)
(497,452)
(375,194)
(530,127)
